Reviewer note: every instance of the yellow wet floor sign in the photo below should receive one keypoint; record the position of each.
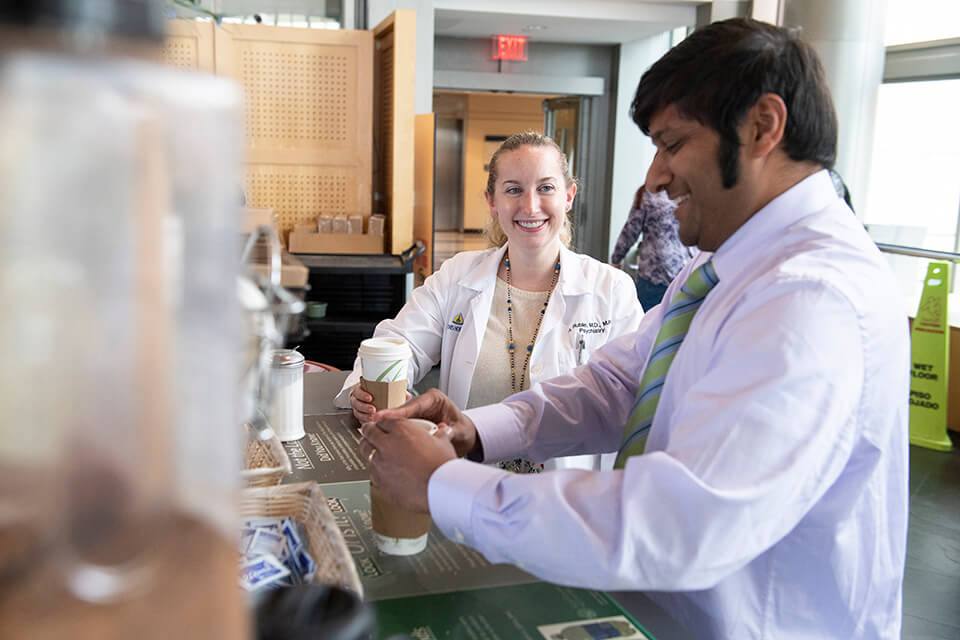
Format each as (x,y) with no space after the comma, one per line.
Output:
(930,352)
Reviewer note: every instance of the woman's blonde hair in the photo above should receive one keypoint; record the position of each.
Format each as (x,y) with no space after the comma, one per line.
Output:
(493,231)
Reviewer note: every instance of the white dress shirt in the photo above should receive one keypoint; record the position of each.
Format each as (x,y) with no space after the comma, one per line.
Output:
(771,501)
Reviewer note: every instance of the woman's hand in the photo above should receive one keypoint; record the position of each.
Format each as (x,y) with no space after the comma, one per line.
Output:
(362,403)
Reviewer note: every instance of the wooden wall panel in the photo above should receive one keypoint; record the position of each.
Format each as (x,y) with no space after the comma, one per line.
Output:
(423,193)
(491,115)
(308,115)
(396,40)
(189,45)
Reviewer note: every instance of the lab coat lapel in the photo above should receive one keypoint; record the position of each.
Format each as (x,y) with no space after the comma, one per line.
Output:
(569,283)
(480,286)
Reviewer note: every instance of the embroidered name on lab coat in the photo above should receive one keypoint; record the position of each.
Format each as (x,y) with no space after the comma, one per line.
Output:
(592,326)
(457,323)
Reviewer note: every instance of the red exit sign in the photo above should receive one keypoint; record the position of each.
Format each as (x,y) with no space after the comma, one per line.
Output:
(509,47)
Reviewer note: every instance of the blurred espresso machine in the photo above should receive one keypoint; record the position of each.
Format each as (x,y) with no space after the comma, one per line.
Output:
(120,331)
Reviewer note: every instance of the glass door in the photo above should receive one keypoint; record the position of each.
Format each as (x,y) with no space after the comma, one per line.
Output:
(565,120)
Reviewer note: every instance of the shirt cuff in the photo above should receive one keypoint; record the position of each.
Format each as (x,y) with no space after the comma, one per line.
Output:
(498,431)
(450,494)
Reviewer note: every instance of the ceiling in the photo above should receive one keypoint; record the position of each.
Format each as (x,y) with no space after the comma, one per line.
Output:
(574,21)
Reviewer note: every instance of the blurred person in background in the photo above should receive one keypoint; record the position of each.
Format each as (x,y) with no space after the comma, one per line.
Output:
(661,255)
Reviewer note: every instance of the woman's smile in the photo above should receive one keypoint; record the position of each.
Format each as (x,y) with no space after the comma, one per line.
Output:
(531,225)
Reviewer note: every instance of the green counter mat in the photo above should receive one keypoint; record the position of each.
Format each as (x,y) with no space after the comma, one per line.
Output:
(538,611)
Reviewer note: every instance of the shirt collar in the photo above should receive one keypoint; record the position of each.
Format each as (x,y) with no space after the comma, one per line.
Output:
(812,194)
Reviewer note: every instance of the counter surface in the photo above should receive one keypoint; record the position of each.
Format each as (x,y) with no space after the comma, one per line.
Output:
(449,587)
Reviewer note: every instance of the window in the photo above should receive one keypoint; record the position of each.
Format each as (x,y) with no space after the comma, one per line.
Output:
(915,168)
(921,21)
(913,192)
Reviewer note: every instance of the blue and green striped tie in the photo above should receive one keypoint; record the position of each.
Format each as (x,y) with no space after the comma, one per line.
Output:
(676,321)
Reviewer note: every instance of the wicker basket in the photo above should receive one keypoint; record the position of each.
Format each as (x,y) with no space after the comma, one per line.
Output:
(265,462)
(305,503)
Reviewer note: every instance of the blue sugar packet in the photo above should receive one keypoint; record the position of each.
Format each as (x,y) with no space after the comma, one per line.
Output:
(266,542)
(262,571)
(283,540)
(289,530)
(246,535)
(306,567)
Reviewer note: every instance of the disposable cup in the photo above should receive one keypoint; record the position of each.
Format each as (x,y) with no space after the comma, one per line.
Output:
(397,531)
(384,359)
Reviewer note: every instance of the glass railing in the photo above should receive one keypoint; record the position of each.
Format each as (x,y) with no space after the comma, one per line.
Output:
(910,266)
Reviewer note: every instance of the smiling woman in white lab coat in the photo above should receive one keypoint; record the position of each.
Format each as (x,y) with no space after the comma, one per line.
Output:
(499,321)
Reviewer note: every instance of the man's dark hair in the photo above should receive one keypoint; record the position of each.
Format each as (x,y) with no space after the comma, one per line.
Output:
(720,71)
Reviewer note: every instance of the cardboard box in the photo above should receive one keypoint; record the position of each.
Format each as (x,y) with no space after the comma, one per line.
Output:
(293,275)
(376,224)
(355,223)
(335,243)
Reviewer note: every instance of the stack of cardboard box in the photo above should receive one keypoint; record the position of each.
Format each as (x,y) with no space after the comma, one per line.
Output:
(339,234)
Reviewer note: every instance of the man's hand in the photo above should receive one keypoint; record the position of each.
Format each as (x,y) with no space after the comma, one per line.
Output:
(401,457)
(439,409)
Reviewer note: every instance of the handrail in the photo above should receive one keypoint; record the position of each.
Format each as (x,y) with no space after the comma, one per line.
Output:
(918,253)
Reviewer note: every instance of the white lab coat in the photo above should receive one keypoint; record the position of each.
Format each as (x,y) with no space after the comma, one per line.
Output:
(445,320)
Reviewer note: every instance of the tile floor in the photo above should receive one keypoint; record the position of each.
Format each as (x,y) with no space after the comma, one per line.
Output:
(931,587)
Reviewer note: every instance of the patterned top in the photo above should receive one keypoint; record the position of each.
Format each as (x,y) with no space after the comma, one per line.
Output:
(491,377)
(661,255)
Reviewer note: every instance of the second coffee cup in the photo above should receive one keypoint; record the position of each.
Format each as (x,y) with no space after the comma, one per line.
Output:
(383,370)
(397,531)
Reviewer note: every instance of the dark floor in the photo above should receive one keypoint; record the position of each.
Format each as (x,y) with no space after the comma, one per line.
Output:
(931,589)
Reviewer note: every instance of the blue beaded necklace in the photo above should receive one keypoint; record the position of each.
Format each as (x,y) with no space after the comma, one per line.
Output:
(511,345)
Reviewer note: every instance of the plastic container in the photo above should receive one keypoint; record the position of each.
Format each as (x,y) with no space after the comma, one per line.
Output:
(118,176)
(286,406)
(316,310)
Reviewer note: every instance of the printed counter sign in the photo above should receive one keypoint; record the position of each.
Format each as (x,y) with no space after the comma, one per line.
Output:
(930,352)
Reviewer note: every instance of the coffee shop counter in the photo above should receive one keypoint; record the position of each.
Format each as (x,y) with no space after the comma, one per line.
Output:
(448,590)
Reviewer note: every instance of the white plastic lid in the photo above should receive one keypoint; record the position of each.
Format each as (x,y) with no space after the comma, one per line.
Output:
(387,348)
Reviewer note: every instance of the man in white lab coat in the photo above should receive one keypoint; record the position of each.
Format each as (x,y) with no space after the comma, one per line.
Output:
(769,499)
